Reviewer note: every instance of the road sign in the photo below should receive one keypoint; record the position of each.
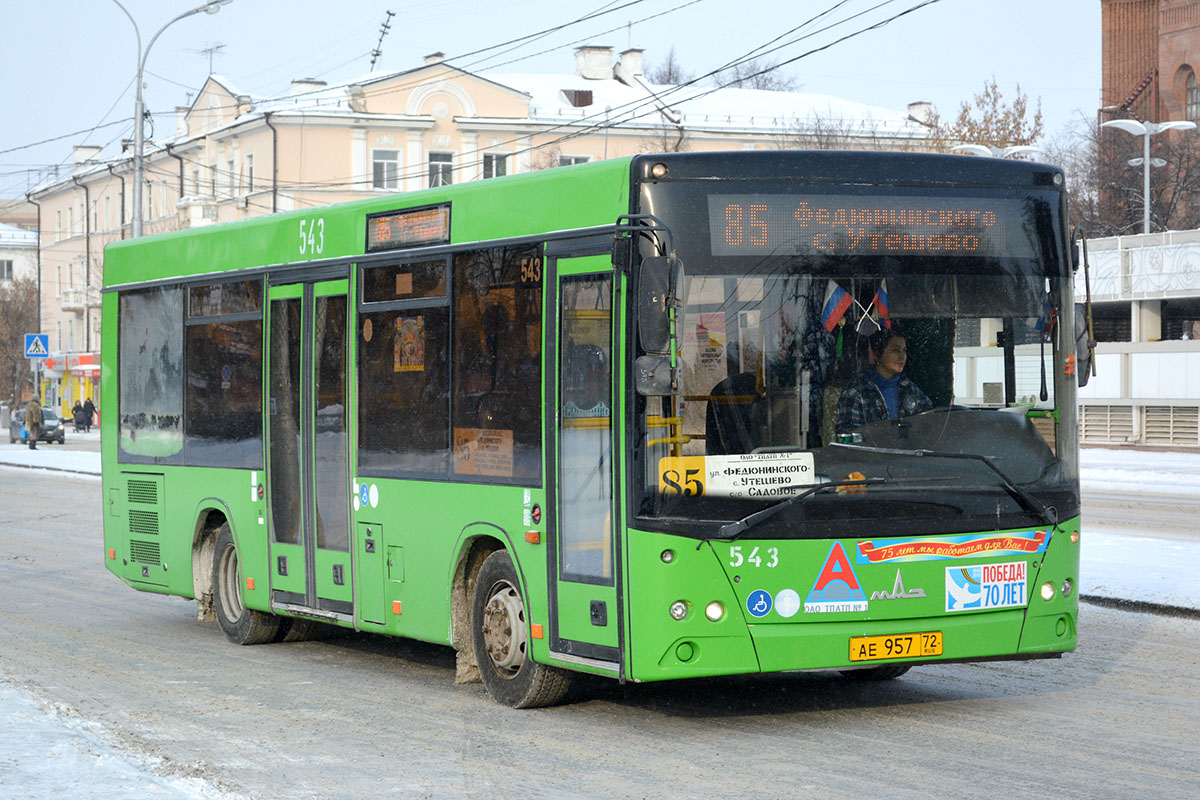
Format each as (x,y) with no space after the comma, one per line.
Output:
(37,345)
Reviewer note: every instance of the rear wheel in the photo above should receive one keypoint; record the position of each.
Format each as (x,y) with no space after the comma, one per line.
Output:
(240,624)
(501,635)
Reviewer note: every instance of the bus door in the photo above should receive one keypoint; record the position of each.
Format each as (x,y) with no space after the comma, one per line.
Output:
(582,515)
(307,463)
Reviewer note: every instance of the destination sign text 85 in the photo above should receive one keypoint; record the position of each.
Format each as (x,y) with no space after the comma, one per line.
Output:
(779,224)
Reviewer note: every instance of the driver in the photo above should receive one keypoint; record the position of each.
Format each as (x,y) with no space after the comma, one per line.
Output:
(881,392)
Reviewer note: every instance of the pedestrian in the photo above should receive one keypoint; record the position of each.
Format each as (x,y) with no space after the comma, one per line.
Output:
(33,421)
(78,414)
(89,414)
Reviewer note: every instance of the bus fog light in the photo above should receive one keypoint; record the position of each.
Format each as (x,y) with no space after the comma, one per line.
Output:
(659,170)
(1067,587)
(1047,591)
(679,609)
(714,611)
(668,556)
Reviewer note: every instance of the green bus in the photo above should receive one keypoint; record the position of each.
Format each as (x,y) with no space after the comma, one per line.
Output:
(647,418)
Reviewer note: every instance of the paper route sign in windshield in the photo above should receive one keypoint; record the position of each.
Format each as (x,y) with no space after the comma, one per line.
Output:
(746,475)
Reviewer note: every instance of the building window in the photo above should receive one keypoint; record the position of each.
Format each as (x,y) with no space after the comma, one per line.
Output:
(441,169)
(566,161)
(58,229)
(1193,97)
(107,212)
(6,269)
(196,182)
(248,161)
(149,200)
(385,169)
(494,165)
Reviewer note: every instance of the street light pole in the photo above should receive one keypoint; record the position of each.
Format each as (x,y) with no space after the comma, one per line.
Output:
(211,7)
(1146,130)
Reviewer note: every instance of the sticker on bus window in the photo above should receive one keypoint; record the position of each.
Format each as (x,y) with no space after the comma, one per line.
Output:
(408,351)
(481,451)
(763,475)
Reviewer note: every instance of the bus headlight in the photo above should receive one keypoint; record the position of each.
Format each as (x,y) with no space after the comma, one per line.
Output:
(679,609)
(1048,590)
(714,611)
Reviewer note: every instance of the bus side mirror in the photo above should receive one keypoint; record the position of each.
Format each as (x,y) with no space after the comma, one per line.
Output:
(653,312)
(1084,346)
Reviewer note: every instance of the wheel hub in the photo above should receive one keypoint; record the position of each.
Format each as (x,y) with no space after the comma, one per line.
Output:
(504,629)
(230,577)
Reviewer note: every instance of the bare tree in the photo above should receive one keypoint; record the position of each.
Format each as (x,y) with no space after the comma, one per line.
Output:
(1106,195)
(757,73)
(670,72)
(1074,149)
(990,121)
(18,316)
(818,132)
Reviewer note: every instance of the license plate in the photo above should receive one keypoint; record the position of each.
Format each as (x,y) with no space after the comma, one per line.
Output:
(896,645)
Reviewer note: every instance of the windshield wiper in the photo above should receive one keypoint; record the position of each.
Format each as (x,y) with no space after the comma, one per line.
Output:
(1026,500)
(733,530)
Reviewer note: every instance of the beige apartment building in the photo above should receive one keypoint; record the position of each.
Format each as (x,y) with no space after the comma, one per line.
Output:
(234,156)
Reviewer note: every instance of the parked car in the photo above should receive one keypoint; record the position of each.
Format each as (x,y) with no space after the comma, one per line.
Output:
(52,427)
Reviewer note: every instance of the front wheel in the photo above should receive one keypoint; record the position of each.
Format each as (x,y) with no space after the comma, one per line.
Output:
(876,673)
(240,624)
(501,636)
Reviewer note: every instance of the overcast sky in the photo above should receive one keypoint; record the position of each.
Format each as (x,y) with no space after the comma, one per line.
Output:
(69,66)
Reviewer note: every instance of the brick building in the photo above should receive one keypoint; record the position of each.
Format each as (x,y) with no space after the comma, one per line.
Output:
(1151,57)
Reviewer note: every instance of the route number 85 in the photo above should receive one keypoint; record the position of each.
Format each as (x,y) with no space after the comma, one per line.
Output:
(689,486)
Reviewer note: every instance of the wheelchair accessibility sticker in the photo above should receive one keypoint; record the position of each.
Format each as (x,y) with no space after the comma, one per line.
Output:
(758,603)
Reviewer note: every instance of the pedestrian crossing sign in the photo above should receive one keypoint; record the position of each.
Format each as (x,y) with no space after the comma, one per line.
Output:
(37,345)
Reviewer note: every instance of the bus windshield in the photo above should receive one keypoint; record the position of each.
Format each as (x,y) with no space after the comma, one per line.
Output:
(829,364)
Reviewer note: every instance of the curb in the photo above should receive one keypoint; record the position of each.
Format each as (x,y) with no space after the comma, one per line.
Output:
(1141,606)
(49,469)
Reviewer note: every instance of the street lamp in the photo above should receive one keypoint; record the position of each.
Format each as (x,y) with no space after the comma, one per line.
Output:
(211,7)
(1146,130)
(996,152)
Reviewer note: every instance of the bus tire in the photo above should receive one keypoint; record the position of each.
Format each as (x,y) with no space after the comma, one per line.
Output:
(876,673)
(297,629)
(240,624)
(501,636)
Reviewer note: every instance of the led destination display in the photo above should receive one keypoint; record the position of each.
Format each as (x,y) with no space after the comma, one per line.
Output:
(780,224)
(410,228)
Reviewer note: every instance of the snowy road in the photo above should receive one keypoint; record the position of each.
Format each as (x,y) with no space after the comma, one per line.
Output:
(110,693)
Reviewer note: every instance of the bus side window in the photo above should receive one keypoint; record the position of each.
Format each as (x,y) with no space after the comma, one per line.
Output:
(497,364)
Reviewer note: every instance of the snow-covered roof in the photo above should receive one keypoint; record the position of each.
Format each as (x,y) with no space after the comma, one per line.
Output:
(707,107)
(11,236)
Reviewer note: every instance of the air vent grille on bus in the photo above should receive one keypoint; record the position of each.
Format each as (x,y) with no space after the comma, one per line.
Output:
(143,522)
(144,552)
(145,492)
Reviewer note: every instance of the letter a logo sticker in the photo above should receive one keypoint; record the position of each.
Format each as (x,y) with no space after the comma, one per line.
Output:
(837,587)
